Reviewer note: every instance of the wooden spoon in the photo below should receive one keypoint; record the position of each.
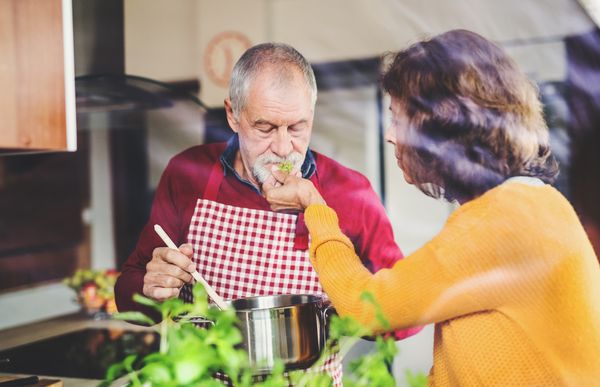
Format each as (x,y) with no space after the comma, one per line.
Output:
(211,292)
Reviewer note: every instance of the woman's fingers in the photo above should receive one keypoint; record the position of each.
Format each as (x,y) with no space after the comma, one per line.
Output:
(295,194)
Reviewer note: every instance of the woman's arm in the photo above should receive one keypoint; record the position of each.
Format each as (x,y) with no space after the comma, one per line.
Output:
(416,291)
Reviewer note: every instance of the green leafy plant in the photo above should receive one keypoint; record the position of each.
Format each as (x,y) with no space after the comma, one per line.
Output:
(189,356)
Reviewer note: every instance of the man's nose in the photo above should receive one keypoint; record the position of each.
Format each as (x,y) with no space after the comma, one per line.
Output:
(282,144)
(390,136)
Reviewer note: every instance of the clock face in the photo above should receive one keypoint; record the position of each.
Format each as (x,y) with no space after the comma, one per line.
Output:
(222,52)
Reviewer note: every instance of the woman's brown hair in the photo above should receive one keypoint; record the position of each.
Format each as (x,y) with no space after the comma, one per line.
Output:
(474,119)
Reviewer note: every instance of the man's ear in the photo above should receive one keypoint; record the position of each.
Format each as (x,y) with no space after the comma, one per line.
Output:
(233,122)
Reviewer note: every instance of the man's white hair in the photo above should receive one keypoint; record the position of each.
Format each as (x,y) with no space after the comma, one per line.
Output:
(281,57)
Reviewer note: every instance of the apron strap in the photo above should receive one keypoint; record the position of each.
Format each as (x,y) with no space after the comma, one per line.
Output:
(214,182)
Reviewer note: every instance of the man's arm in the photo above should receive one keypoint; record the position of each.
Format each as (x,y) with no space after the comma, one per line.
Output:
(152,269)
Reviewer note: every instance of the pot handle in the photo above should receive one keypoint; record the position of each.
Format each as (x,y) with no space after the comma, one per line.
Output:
(327,310)
(201,322)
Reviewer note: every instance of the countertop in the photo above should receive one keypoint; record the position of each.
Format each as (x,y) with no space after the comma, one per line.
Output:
(24,334)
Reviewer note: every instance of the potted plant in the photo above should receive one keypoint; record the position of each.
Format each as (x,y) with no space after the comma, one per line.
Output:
(94,290)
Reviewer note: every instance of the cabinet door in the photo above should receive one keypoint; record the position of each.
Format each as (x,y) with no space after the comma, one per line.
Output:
(37,92)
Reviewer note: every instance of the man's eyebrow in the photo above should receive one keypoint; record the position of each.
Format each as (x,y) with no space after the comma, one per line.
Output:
(302,121)
(261,121)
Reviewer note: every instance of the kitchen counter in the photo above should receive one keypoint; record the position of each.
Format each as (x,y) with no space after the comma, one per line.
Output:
(67,382)
(22,335)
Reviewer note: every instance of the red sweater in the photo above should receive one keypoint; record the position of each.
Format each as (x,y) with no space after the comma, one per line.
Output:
(349,193)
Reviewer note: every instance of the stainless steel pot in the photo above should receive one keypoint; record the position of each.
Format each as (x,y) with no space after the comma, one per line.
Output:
(292,328)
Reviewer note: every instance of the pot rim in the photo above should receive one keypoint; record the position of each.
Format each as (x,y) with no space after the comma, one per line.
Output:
(278,301)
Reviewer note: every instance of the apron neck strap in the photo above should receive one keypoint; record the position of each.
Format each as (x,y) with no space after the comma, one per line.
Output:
(214,182)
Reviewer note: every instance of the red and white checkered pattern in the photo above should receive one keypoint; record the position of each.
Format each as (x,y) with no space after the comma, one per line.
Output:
(244,252)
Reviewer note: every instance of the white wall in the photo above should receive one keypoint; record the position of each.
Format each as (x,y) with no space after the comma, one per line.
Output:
(160,39)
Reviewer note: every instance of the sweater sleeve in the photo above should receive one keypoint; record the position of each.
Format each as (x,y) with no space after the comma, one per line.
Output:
(376,244)
(416,291)
(363,219)
(491,254)
(165,213)
(378,247)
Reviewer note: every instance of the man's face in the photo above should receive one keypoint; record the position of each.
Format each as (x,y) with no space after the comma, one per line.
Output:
(275,124)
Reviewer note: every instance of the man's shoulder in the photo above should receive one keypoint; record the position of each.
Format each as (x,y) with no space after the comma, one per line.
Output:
(200,153)
(329,169)
(195,162)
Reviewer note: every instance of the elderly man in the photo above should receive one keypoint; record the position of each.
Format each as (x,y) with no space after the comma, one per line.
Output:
(210,201)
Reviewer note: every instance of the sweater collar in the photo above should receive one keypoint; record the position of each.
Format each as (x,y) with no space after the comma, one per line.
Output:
(534,181)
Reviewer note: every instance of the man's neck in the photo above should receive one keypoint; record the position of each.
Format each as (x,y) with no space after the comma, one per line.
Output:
(243,170)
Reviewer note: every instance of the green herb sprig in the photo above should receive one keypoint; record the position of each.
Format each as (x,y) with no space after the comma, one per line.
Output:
(286,166)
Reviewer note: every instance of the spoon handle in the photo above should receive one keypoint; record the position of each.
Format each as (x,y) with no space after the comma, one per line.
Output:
(211,292)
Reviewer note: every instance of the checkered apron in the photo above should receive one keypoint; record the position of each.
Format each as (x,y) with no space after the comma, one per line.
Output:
(244,252)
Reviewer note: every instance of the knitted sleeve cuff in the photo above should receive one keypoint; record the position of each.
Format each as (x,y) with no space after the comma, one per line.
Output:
(323,225)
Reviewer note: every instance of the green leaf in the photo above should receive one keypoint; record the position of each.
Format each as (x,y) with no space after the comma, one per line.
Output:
(417,379)
(320,379)
(232,360)
(370,298)
(146,301)
(156,373)
(346,326)
(138,317)
(128,362)
(187,370)
(173,307)
(115,371)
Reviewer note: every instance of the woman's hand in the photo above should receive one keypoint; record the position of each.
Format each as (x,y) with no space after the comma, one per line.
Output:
(289,192)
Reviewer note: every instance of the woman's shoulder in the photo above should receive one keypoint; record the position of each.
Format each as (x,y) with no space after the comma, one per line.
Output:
(516,208)
(517,197)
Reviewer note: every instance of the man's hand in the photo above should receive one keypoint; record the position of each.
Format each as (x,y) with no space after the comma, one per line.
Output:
(287,192)
(168,271)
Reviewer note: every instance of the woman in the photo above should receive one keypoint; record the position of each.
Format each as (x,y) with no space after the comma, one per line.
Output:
(511,282)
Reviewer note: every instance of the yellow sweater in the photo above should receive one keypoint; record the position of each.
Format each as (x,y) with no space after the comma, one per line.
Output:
(511,283)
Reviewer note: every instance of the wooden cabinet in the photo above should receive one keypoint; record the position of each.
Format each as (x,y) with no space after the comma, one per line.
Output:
(42,235)
(37,91)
